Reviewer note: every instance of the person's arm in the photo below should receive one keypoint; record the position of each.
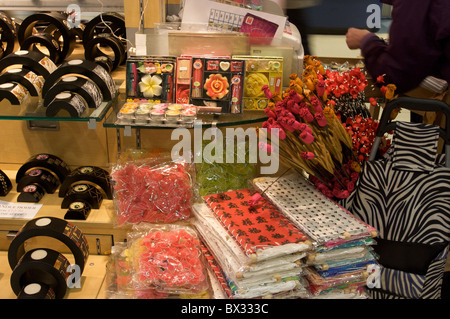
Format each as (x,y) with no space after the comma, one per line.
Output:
(411,54)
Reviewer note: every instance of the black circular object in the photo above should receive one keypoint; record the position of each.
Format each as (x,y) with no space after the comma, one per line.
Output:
(67,101)
(15,93)
(8,33)
(32,193)
(83,192)
(30,80)
(79,210)
(54,18)
(85,88)
(105,62)
(91,70)
(5,184)
(114,20)
(91,50)
(91,175)
(79,31)
(37,62)
(67,233)
(44,265)
(45,161)
(38,177)
(46,40)
(36,290)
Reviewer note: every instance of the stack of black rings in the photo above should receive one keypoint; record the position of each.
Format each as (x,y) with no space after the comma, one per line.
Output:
(106,30)
(44,273)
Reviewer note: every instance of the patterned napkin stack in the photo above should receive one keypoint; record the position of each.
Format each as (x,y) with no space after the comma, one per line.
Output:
(341,259)
(258,250)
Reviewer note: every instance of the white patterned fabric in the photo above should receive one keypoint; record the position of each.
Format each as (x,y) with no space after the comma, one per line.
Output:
(323,220)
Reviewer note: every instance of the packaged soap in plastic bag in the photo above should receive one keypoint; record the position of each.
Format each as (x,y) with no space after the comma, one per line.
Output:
(167,258)
(155,189)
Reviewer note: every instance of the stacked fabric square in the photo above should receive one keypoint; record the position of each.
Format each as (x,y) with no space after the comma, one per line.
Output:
(341,257)
(259,251)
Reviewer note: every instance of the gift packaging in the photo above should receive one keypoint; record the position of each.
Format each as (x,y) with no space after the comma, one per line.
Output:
(151,78)
(216,84)
(261,71)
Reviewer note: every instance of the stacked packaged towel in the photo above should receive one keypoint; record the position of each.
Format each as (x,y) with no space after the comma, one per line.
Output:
(258,249)
(341,252)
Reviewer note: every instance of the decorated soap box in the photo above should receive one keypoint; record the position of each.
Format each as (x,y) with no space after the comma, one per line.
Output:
(151,78)
(182,80)
(216,84)
(261,71)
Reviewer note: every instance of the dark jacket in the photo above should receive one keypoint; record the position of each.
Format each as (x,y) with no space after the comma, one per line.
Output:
(419,44)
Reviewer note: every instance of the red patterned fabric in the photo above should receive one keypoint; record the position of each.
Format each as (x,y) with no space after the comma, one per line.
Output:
(257,227)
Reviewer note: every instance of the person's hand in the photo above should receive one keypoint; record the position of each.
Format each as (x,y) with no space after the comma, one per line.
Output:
(354,37)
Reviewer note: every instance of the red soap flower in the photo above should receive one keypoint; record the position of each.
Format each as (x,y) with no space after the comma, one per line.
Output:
(307,137)
(307,155)
(321,120)
(254,199)
(321,87)
(267,91)
(270,113)
(265,147)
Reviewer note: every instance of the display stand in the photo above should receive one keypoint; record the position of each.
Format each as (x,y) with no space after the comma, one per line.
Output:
(78,141)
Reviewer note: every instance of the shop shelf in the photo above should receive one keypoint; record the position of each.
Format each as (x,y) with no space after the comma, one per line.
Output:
(33,109)
(206,120)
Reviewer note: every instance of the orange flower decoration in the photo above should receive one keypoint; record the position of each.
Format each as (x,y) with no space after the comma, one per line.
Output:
(216,86)
(390,91)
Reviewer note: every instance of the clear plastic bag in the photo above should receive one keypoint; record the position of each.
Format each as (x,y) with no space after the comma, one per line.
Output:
(213,177)
(356,292)
(167,258)
(246,277)
(118,276)
(319,284)
(332,268)
(339,254)
(154,189)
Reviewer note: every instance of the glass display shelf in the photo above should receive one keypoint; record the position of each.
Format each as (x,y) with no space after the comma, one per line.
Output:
(32,109)
(203,119)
